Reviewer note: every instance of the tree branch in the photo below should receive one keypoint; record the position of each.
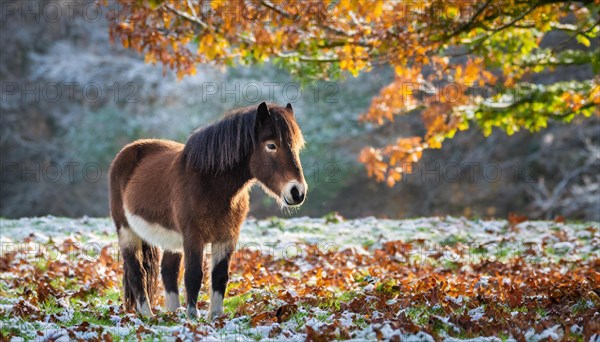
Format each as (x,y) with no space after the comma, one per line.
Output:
(191,18)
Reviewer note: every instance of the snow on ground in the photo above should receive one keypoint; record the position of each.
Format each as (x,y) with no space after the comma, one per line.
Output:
(278,236)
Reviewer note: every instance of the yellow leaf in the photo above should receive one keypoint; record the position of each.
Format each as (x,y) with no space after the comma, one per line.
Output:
(458,73)
(399,70)
(452,12)
(378,9)
(215,4)
(583,40)
(471,72)
(150,58)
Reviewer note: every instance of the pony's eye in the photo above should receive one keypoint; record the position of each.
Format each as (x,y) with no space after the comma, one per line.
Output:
(271,147)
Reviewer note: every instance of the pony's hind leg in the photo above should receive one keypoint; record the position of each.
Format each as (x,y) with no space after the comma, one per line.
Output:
(134,280)
(193,254)
(169,269)
(221,255)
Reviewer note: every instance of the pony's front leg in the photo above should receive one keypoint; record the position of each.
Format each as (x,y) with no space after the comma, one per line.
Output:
(193,275)
(221,255)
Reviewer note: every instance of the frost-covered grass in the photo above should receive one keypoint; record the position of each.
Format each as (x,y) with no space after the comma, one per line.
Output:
(422,279)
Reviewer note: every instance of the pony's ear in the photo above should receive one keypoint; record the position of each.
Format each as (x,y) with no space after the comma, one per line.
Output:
(262,114)
(289,108)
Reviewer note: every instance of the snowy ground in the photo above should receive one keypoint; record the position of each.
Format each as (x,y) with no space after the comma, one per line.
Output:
(320,279)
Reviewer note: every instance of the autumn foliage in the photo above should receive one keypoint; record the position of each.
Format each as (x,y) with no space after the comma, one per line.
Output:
(461,63)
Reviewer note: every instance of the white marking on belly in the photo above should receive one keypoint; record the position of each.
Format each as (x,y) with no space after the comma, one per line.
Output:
(129,239)
(154,233)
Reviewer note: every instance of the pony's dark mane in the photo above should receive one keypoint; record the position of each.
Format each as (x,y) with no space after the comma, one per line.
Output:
(224,144)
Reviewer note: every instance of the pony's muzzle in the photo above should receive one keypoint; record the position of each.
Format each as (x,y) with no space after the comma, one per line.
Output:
(294,193)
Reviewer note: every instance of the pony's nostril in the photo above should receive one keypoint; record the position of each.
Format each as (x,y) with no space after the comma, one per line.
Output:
(295,194)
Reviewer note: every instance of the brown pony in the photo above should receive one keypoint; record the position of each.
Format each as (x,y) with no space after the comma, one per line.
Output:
(179,198)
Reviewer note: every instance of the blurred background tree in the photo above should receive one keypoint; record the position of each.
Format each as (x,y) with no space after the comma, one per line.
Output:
(476,76)
(462,62)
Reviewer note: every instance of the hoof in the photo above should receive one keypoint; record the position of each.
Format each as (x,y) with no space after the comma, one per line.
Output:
(212,315)
(172,302)
(192,312)
(145,310)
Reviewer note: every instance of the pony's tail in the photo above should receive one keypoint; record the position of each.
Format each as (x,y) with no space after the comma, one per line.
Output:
(150,271)
(128,295)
